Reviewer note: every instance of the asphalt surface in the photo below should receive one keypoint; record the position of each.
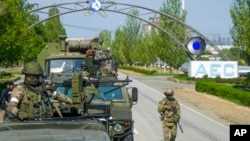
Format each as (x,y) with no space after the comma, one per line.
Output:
(197,126)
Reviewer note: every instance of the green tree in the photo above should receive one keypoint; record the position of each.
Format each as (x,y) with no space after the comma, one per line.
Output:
(105,37)
(117,46)
(125,41)
(168,50)
(240,32)
(145,50)
(54,27)
(131,30)
(17,41)
(234,55)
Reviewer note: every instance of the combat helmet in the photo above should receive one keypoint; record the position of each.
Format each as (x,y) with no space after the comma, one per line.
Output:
(32,68)
(169,92)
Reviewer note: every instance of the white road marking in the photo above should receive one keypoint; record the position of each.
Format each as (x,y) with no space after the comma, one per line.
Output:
(185,106)
(204,116)
(135,131)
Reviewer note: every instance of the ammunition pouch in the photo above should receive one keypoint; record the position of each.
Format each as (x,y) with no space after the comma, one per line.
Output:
(168,107)
(169,125)
(169,120)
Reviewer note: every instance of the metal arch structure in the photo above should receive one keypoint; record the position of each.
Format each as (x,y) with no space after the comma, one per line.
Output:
(123,8)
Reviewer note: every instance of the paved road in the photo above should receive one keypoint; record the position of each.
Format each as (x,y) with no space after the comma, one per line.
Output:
(197,126)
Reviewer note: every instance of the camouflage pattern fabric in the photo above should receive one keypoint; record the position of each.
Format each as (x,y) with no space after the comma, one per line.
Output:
(89,65)
(56,95)
(32,68)
(88,93)
(60,97)
(25,103)
(170,114)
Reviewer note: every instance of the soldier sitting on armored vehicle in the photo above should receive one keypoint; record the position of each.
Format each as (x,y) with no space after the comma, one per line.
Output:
(99,62)
(30,99)
(90,65)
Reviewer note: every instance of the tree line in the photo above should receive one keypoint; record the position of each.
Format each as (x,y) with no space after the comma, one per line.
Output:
(147,48)
(19,43)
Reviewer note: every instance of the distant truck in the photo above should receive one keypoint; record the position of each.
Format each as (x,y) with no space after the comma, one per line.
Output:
(70,56)
(98,95)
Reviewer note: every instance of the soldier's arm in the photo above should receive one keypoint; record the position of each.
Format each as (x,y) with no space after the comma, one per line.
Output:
(178,109)
(61,97)
(161,106)
(16,96)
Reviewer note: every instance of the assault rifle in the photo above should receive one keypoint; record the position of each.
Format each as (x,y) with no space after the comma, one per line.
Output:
(178,122)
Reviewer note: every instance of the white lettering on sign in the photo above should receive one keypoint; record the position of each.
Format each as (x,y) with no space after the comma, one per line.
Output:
(212,69)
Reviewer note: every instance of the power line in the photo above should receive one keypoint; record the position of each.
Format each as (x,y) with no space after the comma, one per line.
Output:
(87,28)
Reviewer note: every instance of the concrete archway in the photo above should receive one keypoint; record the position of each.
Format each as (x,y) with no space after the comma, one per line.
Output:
(123,8)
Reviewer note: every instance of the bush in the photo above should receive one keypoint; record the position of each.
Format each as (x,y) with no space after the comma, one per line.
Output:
(184,77)
(228,92)
(3,86)
(147,72)
(4,74)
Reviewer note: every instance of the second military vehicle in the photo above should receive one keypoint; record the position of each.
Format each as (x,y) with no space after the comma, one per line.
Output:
(75,55)
(87,74)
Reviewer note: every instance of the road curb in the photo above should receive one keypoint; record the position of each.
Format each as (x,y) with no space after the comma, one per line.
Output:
(16,78)
(180,81)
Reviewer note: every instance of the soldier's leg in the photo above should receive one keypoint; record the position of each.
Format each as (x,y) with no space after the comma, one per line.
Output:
(173,132)
(166,132)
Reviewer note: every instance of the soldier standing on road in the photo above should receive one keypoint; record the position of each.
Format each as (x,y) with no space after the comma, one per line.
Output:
(30,99)
(169,109)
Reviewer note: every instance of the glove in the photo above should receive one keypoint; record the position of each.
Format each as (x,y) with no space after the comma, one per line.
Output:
(22,115)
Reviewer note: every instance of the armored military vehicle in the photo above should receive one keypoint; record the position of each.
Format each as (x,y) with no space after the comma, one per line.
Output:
(76,55)
(53,130)
(87,74)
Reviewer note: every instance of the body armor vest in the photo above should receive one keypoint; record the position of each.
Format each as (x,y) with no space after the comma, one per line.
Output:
(35,103)
(171,112)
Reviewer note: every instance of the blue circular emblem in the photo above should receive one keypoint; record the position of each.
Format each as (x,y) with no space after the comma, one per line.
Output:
(196,45)
(95,5)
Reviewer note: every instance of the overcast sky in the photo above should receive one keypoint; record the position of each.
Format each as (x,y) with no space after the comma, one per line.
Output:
(209,17)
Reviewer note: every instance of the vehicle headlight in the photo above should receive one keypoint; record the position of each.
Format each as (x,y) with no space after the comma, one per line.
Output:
(117,127)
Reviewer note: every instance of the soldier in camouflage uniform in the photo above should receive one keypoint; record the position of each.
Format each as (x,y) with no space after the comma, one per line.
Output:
(169,109)
(90,64)
(30,99)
